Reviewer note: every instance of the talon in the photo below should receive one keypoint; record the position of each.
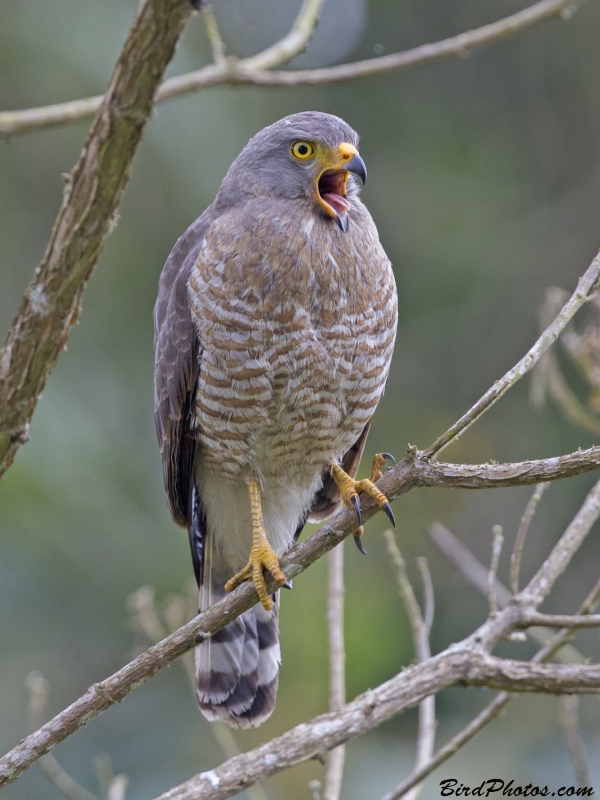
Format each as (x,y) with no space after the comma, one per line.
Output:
(389,457)
(287,585)
(358,539)
(356,503)
(350,488)
(388,510)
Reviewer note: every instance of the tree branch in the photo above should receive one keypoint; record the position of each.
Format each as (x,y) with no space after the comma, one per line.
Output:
(451,668)
(515,558)
(257,70)
(52,302)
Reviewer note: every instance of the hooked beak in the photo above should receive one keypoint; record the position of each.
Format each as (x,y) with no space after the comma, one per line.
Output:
(331,185)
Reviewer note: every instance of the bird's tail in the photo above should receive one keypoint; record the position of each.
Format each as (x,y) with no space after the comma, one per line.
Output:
(237,669)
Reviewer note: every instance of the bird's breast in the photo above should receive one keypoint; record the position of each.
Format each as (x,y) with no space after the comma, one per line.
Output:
(296,342)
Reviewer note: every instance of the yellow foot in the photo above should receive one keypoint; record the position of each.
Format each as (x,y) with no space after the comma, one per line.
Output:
(350,489)
(262,555)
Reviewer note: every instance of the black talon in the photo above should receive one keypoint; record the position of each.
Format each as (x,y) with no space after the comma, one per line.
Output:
(359,544)
(355,502)
(388,457)
(287,585)
(388,510)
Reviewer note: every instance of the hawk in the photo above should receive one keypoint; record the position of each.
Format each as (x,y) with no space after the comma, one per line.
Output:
(274,329)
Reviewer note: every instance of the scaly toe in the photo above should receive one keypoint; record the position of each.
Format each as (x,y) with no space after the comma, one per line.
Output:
(358,540)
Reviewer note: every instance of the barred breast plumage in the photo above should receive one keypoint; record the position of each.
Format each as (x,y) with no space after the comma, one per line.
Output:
(294,323)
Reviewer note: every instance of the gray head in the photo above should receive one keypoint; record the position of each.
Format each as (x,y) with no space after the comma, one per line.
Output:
(308,156)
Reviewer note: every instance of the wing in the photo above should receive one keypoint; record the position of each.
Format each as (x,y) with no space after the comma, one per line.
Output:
(328,499)
(177,353)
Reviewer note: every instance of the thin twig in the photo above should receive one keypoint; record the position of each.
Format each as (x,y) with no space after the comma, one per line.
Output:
(564,550)
(515,558)
(560,620)
(145,618)
(493,571)
(420,632)
(492,710)
(489,713)
(477,574)
(428,591)
(584,292)
(569,717)
(246,71)
(566,399)
(293,44)
(58,776)
(337,666)
(214,36)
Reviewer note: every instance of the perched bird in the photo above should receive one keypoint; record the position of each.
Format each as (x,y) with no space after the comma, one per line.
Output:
(274,329)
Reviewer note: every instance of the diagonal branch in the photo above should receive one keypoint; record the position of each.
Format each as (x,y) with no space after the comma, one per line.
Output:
(458,667)
(52,302)
(257,70)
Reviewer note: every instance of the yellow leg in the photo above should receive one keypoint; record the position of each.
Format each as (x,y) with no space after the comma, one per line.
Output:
(350,488)
(262,555)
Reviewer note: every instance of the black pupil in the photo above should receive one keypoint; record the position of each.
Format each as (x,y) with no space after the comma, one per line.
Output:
(302,149)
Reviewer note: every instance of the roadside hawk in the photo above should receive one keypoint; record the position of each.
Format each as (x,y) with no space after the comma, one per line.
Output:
(274,329)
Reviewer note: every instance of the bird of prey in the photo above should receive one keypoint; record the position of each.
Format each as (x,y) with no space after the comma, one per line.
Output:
(274,329)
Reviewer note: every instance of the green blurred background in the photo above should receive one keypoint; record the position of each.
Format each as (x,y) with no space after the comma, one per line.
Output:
(484,181)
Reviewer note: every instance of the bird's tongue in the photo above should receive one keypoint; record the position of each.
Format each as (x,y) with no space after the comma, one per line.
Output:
(339,204)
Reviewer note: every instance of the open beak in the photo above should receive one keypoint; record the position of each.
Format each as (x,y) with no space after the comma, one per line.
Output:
(331,185)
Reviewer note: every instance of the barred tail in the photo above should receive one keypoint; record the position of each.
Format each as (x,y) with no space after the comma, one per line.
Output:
(237,669)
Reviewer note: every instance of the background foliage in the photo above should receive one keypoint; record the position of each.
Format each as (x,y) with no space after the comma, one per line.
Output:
(484,180)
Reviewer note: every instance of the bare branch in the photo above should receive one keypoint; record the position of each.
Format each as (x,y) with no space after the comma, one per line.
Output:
(583,293)
(145,618)
(52,302)
(214,36)
(564,550)
(515,558)
(569,717)
(477,575)
(493,571)
(291,45)
(38,697)
(256,70)
(566,399)
(337,666)
(560,620)
(420,632)
(427,591)
(460,665)
(489,713)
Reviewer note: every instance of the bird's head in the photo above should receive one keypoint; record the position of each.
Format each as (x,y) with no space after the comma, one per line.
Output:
(310,156)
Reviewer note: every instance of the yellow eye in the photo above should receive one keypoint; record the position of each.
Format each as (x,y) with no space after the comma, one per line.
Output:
(302,150)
